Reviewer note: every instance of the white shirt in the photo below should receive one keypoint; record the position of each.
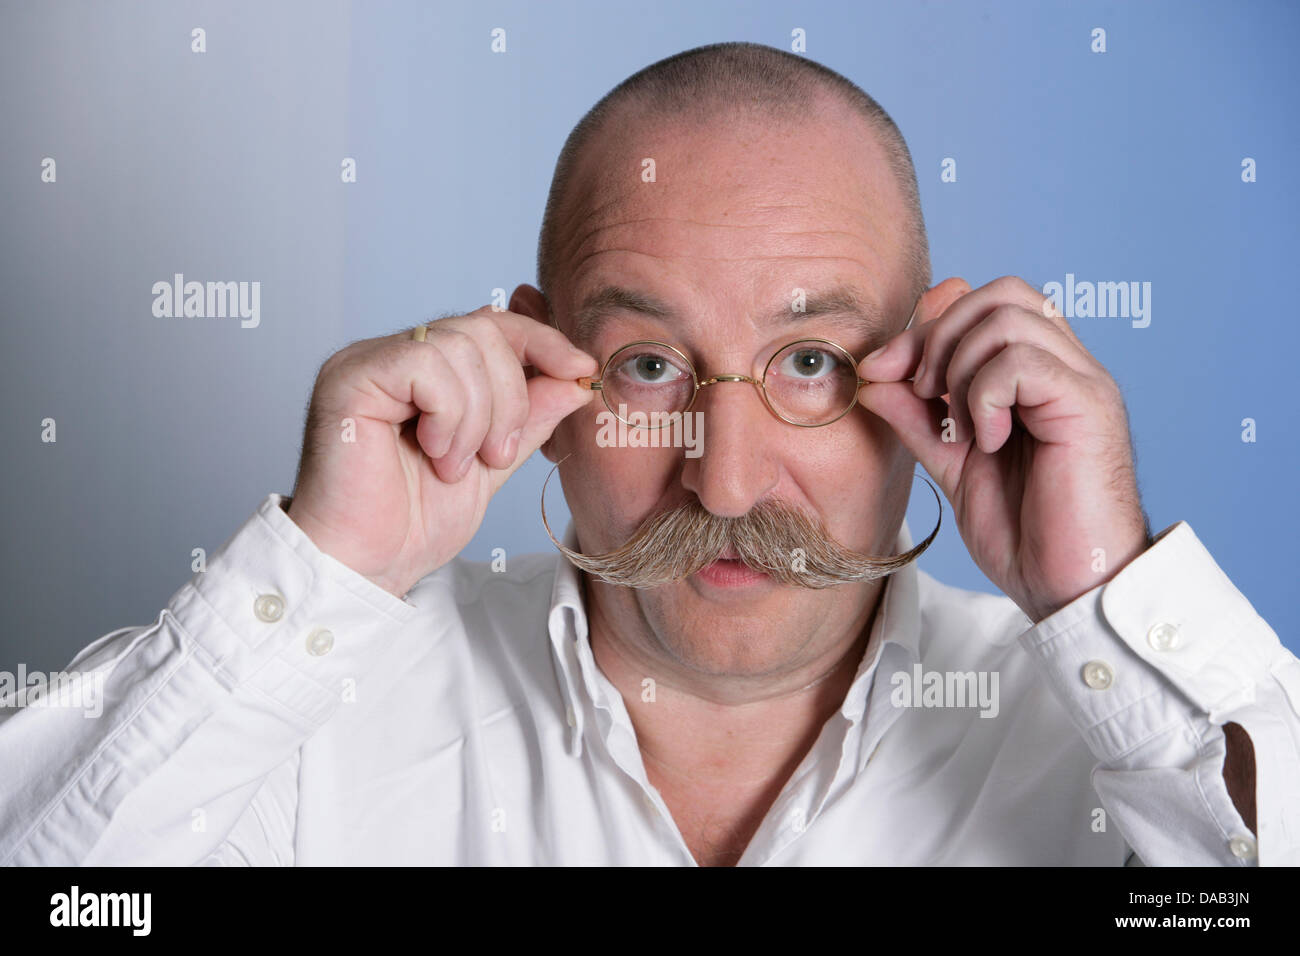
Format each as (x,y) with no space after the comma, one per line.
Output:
(284,710)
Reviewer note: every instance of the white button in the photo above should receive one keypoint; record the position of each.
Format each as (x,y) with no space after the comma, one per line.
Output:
(320,643)
(649,802)
(1163,637)
(1098,675)
(571,717)
(1242,847)
(269,607)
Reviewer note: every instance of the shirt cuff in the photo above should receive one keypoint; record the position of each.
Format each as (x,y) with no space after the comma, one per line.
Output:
(1149,665)
(274,613)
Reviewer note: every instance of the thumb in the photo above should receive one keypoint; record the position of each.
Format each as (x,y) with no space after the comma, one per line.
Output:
(550,401)
(922,426)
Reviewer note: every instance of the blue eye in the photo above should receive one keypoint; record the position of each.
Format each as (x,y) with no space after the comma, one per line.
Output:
(809,364)
(649,368)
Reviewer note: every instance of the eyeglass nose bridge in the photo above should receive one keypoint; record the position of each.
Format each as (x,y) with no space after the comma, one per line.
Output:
(730,377)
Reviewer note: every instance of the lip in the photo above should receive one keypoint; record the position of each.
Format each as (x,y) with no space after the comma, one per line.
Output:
(731,574)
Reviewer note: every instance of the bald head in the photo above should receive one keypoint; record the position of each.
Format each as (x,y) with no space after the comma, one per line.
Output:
(725,83)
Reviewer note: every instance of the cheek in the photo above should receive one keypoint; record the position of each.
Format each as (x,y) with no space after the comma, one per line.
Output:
(611,491)
(860,454)
(857,480)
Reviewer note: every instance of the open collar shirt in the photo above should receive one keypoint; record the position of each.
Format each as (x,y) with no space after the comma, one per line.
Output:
(284,710)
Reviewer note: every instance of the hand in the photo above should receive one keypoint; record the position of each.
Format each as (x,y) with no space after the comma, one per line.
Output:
(439,426)
(1034,455)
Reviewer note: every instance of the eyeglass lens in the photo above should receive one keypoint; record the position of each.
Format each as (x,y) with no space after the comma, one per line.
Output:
(806,382)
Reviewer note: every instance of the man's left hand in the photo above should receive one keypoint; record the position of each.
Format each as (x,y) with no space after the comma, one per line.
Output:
(1025,432)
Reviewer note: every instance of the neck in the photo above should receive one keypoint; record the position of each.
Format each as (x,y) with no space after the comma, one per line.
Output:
(739,731)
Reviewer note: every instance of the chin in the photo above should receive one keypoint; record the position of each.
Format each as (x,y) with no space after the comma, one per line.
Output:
(750,638)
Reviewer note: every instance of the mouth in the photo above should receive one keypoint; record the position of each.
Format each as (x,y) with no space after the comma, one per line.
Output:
(728,571)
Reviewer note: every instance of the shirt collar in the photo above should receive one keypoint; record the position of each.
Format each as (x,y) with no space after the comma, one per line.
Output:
(897,621)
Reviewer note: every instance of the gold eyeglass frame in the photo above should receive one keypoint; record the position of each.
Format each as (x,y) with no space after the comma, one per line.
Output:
(596,384)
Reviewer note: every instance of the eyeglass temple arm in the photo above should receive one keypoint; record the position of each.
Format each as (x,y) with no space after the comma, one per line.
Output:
(911,319)
(913,316)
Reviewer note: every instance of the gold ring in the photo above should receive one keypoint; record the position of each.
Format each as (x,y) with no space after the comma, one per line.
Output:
(419,332)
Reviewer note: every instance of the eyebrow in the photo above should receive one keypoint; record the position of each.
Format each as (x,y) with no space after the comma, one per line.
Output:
(610,300)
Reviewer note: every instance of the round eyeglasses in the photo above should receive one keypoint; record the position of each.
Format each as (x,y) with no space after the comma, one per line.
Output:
(809,383)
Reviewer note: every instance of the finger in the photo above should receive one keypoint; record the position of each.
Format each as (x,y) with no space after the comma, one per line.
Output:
(440,402)
(1046,393)
(897,360)
(550,401)
(393,379)
(469,365)
(920,426)
(543,346)
(1047,308)
(963,315)
(441,380)
(508,393)
(1004,325)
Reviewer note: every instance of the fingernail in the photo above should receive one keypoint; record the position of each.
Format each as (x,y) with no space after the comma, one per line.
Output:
(877,353)
(512,443)
(920,371)
(463,467)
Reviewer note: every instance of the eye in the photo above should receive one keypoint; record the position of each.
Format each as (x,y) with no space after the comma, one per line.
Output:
(809,364)
(650,368)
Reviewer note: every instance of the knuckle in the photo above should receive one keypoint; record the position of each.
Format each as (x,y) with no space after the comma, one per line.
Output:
(339,360)
(1108,390)
(1022,353)
(390,354)
(1004,319)
(445,334)
(462,352)
(1048,310)
(493,337)
(1009,285)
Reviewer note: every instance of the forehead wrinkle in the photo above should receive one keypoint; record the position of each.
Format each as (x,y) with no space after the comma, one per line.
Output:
(799,260)
(800,245)
(861,218)
(841,302)
(814,233)
(580,241)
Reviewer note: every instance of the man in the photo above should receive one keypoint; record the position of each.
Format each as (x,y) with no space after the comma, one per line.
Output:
(340,687)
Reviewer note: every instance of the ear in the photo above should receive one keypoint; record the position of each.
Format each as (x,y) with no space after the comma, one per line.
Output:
(528,300)
(549,451)
(934,302)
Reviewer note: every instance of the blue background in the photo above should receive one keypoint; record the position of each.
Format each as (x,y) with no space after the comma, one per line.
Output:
(225,165)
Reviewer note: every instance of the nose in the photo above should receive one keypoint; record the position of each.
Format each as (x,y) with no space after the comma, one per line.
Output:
(740,440)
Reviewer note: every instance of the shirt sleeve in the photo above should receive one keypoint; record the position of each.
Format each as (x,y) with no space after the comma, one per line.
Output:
(178,742)
(1149,667)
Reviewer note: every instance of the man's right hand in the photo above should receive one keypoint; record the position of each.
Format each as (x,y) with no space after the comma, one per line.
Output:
(439,426)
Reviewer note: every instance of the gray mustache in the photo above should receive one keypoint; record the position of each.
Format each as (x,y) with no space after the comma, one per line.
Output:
(772,537)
